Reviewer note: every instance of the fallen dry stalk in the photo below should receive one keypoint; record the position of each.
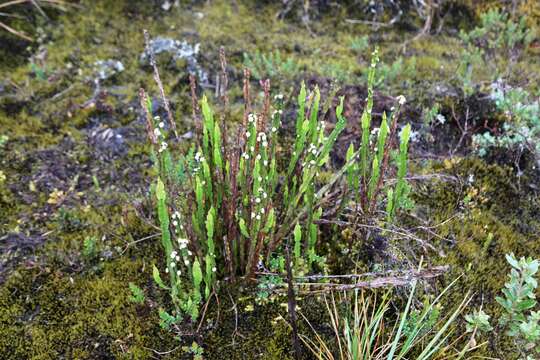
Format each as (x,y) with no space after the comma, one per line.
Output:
(404,278)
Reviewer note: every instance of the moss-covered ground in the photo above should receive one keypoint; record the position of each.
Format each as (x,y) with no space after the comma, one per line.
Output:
(77,169)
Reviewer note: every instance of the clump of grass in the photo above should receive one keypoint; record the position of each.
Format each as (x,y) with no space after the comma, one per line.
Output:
(364,329)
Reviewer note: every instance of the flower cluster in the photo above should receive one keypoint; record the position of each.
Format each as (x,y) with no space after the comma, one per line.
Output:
(160,135)
(199,159)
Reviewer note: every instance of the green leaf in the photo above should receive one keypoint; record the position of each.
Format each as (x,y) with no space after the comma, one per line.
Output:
(243,228)
(160,190)
(197,280)
(210,218)
(329,143)
(157,278)
(297,240)
(526,304)
(270,221)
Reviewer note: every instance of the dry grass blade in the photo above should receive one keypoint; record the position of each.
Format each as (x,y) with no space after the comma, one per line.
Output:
(15,32)
(58,4)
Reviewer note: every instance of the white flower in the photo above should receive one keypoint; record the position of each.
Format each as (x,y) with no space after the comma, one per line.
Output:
(259,178)
(257,200)
(440,118)
(262,210)
(157,132)
(214,269)
(189,253)
(178,273)
(252,118)
(265,195)
(265,143)
(265,162)
(166,270)
(401,100)
(278,96)
(252,149)
(246,156)
(258,217)
(173,264)
(248,134)
(177,258)
(186,262)
(162,124)
(312,162)
(252,215)
(259,156)
(175,223)
(274,129)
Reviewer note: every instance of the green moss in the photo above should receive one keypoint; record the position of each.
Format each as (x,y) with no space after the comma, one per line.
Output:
(60,314)
(486,213)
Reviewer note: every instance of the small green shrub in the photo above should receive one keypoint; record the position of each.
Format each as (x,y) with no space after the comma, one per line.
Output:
(496,43)
(478,320)
(391,72)
(360,44)
(519,320)
(270,65)
(521,130)
(90,248)
(137,294)
(195,350)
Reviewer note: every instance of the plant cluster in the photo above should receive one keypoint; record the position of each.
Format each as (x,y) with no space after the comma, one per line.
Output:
(270,65)
(519,319)
(497,42)
(366,176)
(521,130)
(232,208)
(390,72)
(363,330)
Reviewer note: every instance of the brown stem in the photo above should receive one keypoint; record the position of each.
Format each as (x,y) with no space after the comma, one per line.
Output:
(195,111)
(149,125)
(157,78)
(291,306)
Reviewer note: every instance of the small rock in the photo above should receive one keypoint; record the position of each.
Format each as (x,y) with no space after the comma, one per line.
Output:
(106,69)
(179,50)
